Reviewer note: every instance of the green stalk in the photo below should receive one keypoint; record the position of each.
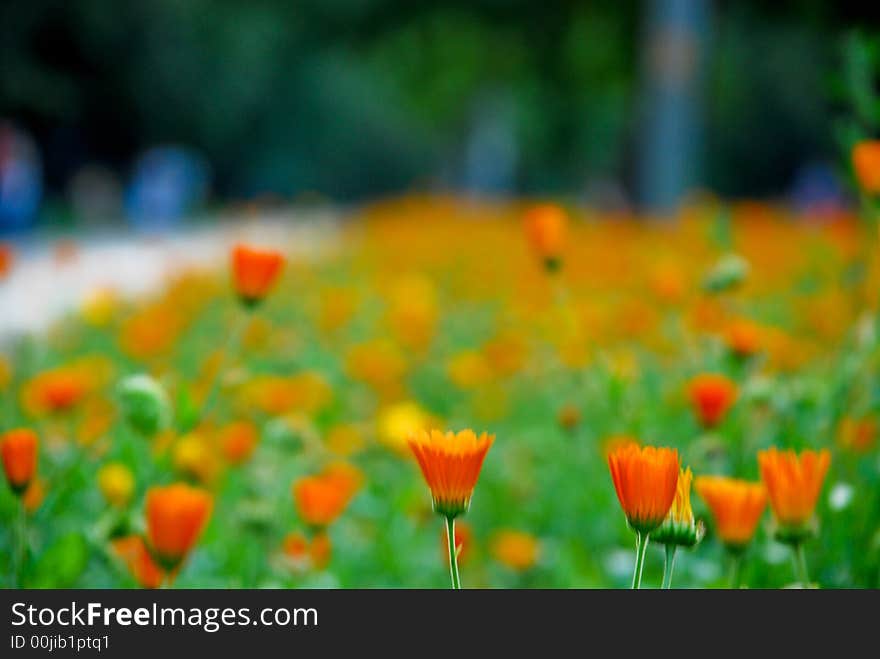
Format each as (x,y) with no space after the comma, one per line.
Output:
(20,545)
(800,564)
(453,554)
(641,549)
(233,342)
(668,566)
(735,569)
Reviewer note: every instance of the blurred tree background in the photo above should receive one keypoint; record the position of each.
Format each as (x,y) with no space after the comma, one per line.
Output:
(358,98)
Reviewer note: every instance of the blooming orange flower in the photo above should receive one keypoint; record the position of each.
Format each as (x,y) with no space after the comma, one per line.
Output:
(321,499)
(711,396)
(254,272)
(645,480)
(451,464)
(545,227)
(238,441)
(176,515)
(515,549)
(866,163)
(736,506)
(19,452)
(132,550)
(793,484)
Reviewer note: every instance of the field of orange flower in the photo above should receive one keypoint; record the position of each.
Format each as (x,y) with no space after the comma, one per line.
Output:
(543,384)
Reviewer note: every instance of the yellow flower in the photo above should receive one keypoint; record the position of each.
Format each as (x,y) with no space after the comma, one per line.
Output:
(397,422)
(116,483)
(99,307)
(679,527)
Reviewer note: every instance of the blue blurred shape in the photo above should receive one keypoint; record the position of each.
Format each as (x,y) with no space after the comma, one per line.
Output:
(167,183)
(21,179)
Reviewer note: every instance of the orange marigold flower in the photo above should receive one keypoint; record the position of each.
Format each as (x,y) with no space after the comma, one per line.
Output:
(545,227)
(645,480)
(19,450)
(254,272)
(711,395)
(176,515)
(450,463)
(866,163)
(238,440)
(321,499)
(133,552)
(515,549)
(793,485)
(736,507)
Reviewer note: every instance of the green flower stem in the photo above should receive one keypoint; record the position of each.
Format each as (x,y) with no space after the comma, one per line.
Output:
(20,545)
(641,549)
(735,569)
(800,564)
(453,554)
(233,342)
(668,566)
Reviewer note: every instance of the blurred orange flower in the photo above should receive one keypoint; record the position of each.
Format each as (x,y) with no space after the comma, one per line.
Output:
(858,435)
(322,498)
(645,480)
(254,272)
(378,363)
(469,369)
(33,496)
(545,228)
(711,395)
(450,463)
(866,164)
(736,506)
(412,312)
(19,449)
(133,552)
(238,441)
(7,257)
(743,337)
(54,391)
(337,306)
(515,549)
(275,395)
(176,515)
